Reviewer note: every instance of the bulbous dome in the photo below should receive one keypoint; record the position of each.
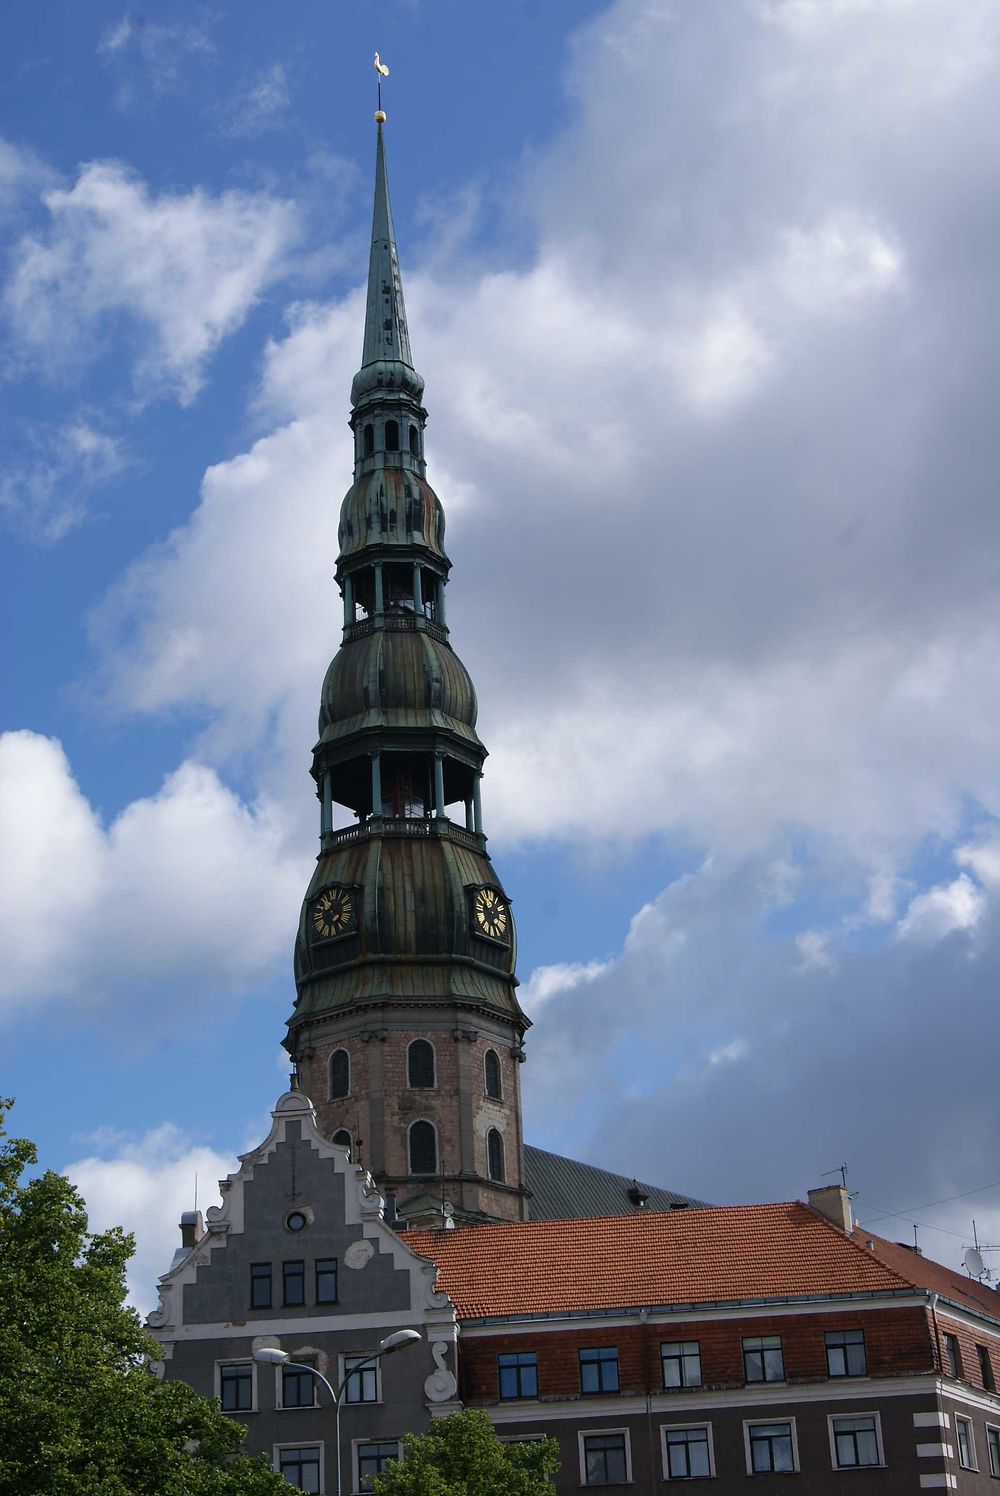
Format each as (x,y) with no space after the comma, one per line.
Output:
(397,678)
(390,374)
(391,506)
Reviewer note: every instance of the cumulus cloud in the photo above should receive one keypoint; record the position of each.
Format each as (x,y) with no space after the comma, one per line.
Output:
(184,893)
(177,272)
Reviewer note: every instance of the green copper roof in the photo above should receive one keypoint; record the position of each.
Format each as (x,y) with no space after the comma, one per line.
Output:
(385,358)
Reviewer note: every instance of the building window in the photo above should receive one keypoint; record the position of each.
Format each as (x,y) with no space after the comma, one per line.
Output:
(369,440)
(687,1452)
(491,1072)
(599,1369)
(420,1065)
(326,1280)
(414,442)
(298,1388)
(343,1139)
(293,1279)
(986,1368)
(300,1467)
(340,1074)
(260,1285)
(372,1460)
(762,1359)
(681,1361)
(966,1443)
(770,1447)
(362,1387)
(518,1374)
(236,1388)
(953,1356)
(494,1155)
(604,1459)
(845,1353)
(993,1445)
(855,1441)
(423,1148)
(392,436)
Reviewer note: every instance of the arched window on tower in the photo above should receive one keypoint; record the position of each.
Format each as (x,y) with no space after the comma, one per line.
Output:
(491,1073)
(340,1074)
(423,1148)
(494,1155)
(414,442)
(369,440)
(343,1139)
(420,1065)
(392,436)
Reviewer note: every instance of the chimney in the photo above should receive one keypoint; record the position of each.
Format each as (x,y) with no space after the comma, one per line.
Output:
(192,1228)
(832,1201)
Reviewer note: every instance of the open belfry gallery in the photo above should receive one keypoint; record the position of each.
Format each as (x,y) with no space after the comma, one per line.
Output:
(394,1205)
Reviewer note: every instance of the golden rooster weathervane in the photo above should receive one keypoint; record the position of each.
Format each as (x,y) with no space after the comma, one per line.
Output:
(382,72)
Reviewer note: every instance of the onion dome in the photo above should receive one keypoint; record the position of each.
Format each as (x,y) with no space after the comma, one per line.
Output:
(397,679)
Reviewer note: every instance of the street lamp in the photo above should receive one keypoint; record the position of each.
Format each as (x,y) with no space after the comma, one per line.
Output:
(398,1341)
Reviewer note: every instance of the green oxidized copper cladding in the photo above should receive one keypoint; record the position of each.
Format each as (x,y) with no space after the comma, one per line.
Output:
(397,679)
(394,507)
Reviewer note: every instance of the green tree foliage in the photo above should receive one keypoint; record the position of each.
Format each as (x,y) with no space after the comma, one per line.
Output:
(462,1456)
(80,1414)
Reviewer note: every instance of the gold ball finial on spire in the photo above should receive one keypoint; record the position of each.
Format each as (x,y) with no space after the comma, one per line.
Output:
(380,116)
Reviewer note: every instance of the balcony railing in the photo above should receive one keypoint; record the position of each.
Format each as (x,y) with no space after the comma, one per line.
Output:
(400,623)
(404,826)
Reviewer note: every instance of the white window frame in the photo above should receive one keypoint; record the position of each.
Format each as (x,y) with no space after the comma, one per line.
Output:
(343,1359)
(422,1039)
(319,1444)
(586,1433)
(493,1050)
(329,1074)
(749,1423)
(687,1423)
(356,1445)
(962,1418)
(302,1359)
(995,1428)
(237,1361)
(832,1418)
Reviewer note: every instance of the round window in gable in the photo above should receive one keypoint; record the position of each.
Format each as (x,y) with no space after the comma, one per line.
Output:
(296,1221)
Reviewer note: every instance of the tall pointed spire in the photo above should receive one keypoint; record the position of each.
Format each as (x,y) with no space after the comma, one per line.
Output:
(386,335)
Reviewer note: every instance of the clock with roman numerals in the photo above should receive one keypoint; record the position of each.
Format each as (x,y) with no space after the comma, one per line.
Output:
(333,913)
(491,914)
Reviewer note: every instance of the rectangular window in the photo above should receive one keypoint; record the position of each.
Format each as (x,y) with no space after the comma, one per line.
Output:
(236,1388)
(298,1388)
(953,1356)
(326,1280)
(260,1285)
(518,1375)
(845,1353)
(605,1461)
(762,1359)
(372,1460)
(681,1361)
(363,1385)
(300,1467)
(855,1442)
(687,1453)
(293,1276)
(993,1445)
(599,1369)
(986,1368)
(771,1447)
(966,1443)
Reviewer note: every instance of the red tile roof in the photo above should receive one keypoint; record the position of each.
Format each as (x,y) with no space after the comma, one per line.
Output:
(716,1255)
(926,1273)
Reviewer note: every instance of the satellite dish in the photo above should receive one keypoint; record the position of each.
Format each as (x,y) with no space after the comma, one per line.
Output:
(974,1264)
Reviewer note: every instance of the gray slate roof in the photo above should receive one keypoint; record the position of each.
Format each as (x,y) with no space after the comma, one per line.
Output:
(563,1190)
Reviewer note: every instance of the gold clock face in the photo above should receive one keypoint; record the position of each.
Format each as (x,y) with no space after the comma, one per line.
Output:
(333,912)
(492,915)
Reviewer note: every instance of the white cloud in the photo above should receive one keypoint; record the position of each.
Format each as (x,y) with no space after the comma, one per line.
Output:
(145,1185)
(814,949)
(939,911)
(263,104)
(728,1054)
(180,272)
(45,493)
(563,976)
(186,892)
(153,57)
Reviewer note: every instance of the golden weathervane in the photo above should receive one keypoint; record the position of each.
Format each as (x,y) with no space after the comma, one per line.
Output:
(383,72)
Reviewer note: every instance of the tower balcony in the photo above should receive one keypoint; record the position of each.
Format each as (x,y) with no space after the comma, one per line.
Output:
(406,827)
(402,623)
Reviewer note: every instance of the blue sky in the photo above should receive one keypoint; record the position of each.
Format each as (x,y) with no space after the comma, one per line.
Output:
(705,301)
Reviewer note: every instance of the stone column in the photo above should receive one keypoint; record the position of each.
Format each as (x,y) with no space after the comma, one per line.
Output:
(376,784)
(439,785)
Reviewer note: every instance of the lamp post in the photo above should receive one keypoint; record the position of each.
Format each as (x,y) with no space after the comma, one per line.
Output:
(269,1356)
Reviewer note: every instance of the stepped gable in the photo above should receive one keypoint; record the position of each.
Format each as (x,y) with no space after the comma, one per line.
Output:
(716,1255)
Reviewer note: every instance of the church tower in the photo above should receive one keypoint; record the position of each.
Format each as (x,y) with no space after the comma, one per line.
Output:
(407,1033)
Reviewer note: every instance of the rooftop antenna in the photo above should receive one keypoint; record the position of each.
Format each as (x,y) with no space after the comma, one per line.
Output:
(916,1245)
(841,1169)
(381,72)
(196,1189)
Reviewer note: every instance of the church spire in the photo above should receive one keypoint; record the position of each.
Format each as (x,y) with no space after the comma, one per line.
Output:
(386,335)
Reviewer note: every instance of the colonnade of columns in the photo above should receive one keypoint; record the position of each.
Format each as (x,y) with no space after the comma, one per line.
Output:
(437,591)
(473,804)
